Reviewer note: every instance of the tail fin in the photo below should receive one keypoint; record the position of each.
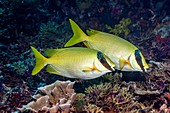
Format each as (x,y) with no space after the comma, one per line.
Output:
(41,61)
(79,35)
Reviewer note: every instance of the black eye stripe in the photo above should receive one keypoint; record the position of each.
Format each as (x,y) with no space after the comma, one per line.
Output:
(102,60)
(137,56)
(139,59)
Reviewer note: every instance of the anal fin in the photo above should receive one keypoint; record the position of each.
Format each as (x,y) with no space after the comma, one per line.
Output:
(51,70)
(86,44)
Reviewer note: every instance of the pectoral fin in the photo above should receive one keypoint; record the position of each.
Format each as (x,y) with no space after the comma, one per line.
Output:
(122,62)
(91,69)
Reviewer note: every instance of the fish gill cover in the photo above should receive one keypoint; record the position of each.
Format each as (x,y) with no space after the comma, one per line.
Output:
(44,24)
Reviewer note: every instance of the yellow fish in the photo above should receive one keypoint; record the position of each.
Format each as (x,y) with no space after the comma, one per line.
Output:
(122,53)
(75,62)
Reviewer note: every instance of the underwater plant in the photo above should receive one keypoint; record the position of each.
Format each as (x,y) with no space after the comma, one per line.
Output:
(121,28)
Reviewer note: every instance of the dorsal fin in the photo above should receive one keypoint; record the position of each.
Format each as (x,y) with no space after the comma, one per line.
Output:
(51,52)
(91,32)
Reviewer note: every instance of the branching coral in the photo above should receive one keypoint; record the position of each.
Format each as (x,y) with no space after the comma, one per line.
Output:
(58,96)
(91,108)
(157,83)
(109,98)
(98,94)
(133,96)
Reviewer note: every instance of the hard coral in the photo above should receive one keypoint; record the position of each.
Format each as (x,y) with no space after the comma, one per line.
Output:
(110,98)
(98,94)
(58,96)
(91,108)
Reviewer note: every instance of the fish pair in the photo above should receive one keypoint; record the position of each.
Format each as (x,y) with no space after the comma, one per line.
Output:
(105,53)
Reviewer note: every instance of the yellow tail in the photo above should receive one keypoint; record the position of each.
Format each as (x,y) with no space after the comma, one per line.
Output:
(79,35)
(41,61)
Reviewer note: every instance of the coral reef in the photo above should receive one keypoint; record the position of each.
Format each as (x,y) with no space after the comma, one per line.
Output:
(108,97)
(134,96)
(44,23)
(56,97)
